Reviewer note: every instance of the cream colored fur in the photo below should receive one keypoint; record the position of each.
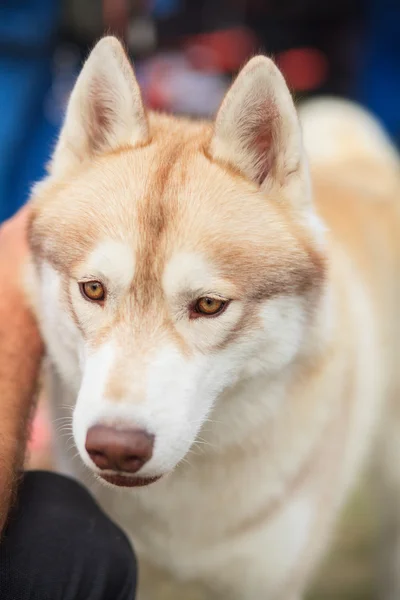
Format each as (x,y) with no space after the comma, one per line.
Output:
(263,416)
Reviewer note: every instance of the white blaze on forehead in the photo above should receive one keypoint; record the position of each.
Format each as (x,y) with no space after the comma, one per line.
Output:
(114,260)
(190,271)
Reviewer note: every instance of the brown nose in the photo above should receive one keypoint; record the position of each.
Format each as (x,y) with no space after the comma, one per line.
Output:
(119,449)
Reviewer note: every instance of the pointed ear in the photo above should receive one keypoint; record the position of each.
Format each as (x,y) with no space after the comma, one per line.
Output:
(256,128)
(105,110)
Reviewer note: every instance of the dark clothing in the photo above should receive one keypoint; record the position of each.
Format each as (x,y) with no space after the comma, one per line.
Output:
(59,545)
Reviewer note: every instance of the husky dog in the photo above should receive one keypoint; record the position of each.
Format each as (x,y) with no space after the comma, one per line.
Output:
(220,303)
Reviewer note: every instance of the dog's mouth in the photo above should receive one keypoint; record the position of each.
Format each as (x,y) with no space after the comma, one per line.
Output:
(129,481)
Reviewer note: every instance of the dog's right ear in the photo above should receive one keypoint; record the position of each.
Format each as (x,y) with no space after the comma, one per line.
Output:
(105,111)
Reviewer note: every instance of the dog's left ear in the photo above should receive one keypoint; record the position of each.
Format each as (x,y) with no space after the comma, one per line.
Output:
(105,110)
(256,129)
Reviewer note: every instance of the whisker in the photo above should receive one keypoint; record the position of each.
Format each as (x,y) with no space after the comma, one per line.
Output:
(64,427)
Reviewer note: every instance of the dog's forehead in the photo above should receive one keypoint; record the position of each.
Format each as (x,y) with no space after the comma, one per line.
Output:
(185,212)
(170,192)
(176,194)
(166,199)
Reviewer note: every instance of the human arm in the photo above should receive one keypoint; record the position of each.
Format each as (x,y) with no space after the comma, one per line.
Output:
(20,358)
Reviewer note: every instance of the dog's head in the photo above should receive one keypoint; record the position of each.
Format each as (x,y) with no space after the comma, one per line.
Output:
(172,257)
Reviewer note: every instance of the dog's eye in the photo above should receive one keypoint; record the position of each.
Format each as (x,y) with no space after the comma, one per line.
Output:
(93,290)
(209,307)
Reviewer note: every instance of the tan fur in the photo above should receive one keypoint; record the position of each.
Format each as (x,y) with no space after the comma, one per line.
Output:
(161,214)
(237,195)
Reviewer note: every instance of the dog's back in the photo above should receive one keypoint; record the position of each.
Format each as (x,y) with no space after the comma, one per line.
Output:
(356,180)
(355,171)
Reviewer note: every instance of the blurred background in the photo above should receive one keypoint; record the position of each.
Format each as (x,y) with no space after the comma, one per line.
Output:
(185,54)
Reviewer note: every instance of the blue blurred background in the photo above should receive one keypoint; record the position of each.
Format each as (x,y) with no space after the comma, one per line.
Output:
(185,53)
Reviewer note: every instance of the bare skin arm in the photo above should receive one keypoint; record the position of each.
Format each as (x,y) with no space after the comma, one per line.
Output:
(20,357)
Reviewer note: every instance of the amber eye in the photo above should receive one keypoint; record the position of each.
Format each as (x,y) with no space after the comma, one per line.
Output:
(93,290)
(208,306)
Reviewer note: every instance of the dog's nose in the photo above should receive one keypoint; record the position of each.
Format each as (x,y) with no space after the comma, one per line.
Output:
(119,449)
